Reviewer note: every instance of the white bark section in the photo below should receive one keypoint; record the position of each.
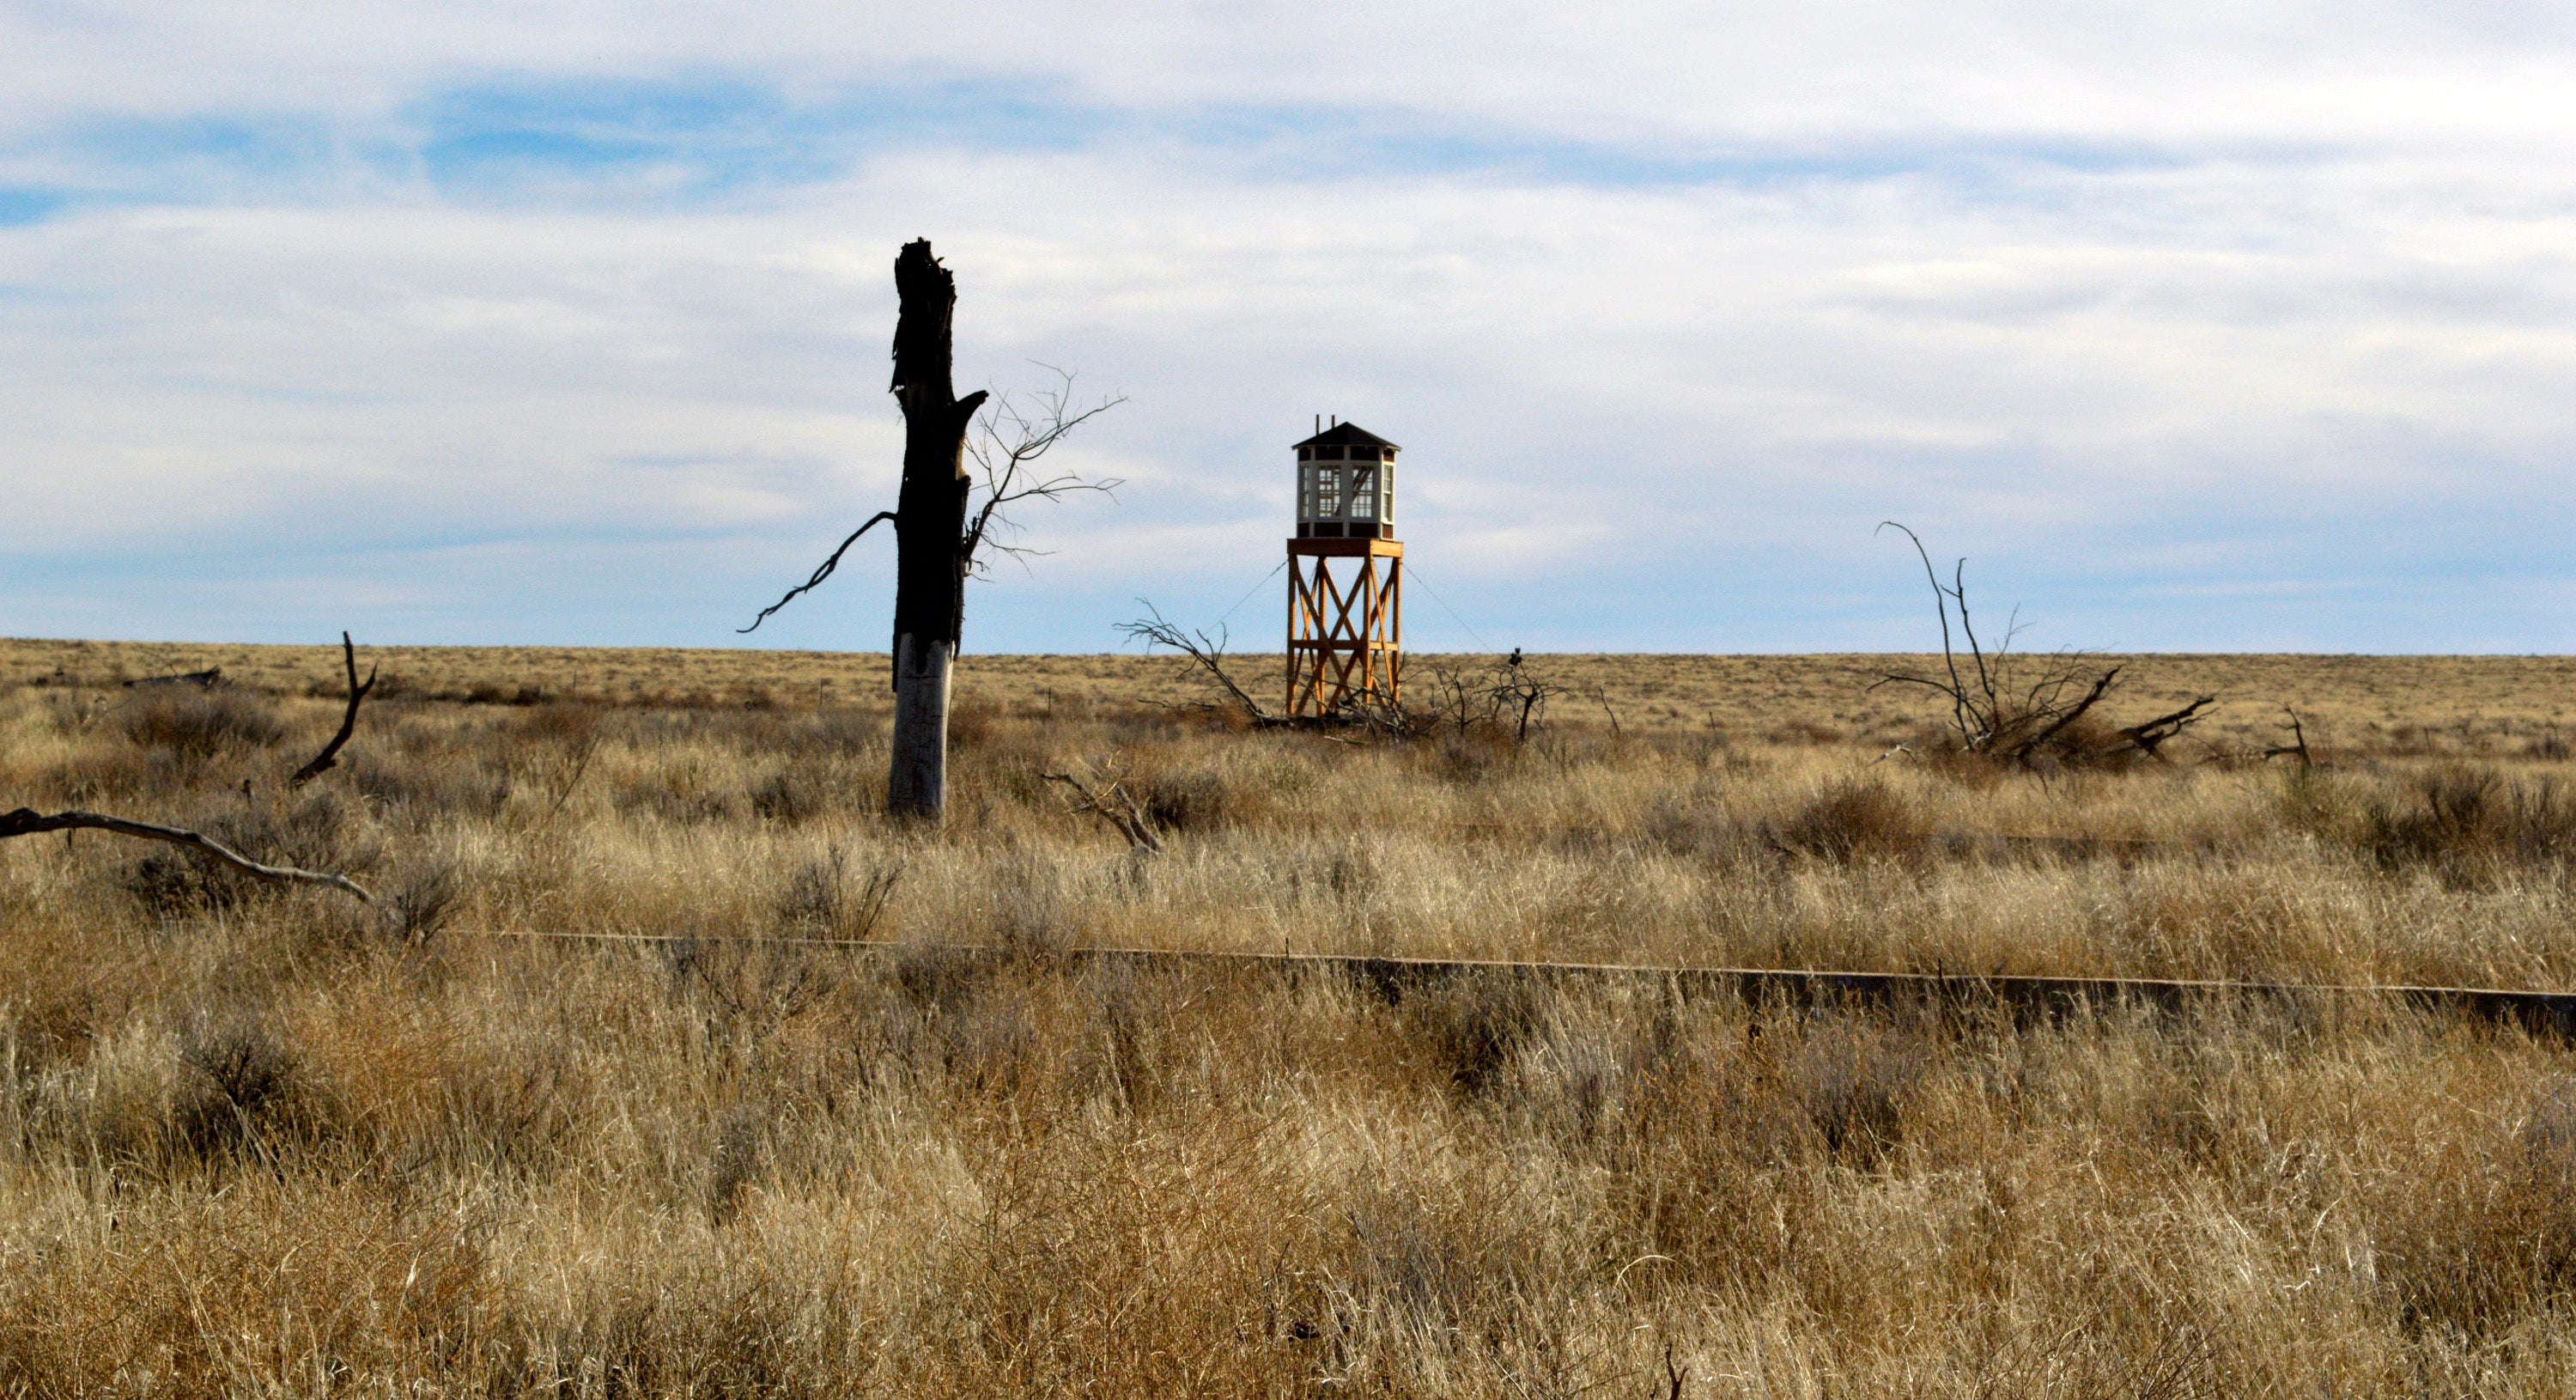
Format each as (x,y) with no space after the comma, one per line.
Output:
(917,785)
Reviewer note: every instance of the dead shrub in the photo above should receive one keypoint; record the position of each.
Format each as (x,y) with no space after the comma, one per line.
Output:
(243,1076)
(1853,819)
(422,899)
(1029,907)
(785,799)
(1184,801)
(197,726)
(1474,1024)
(822,899)
(962,1020)
(1850,1074)
(512,1101)
(2466,823)
(986,1044)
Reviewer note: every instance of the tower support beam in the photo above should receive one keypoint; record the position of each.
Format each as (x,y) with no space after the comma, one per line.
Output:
(1345,624)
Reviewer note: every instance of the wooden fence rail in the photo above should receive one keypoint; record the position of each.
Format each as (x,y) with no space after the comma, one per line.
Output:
(2546,1013)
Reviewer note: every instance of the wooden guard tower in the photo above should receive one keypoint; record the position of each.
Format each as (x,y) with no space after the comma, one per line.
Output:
(1345,575)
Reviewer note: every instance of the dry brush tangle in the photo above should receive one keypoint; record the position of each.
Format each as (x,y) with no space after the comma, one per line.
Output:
(2022,711)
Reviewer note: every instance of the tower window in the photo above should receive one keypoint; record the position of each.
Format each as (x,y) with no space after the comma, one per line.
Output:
(1328,492)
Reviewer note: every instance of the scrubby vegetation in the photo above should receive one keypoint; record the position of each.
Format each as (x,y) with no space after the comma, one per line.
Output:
(592,1101)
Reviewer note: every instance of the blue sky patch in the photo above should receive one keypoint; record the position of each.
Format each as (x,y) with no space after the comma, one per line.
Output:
(719,135)
(26,206)
(714,136)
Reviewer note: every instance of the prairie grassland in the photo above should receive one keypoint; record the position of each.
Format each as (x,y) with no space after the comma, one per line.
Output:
(2378,705)
(263,1140)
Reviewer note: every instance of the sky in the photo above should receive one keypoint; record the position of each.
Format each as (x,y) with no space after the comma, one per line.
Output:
(2190,326)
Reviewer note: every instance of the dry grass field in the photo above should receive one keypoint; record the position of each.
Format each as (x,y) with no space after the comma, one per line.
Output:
(592,1101)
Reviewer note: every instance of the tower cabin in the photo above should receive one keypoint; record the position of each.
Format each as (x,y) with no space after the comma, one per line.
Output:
(1345,576)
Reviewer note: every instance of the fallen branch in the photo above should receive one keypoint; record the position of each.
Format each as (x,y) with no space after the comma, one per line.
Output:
(209,677)
(26,821)
(2074,712)
(1602,694)
(1113,805)
(330,755)
(1156,630)
(2298,745)
(2027,726)
(2154,732)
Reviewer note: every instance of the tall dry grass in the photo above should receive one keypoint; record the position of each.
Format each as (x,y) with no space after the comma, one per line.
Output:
(262,1140)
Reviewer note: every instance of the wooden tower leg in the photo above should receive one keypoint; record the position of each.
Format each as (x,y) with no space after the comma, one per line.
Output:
(1296,585)
(1395,632)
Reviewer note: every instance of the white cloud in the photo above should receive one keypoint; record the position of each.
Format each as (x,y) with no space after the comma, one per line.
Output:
(2287,309)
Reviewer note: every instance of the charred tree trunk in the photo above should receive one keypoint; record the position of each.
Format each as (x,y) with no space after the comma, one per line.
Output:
(930,533)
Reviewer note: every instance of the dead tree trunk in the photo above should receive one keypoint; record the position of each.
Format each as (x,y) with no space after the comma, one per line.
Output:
(930,532)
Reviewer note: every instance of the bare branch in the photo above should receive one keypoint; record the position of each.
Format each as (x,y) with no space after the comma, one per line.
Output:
(2298,745)
(1156,630)
(2072,713)
(2001,711)
(1114,806)
(330,755)
(26,821)
(1601,693)
(821,573)
(1976,653)
(1007,443)
(1941,602)
(2149,735)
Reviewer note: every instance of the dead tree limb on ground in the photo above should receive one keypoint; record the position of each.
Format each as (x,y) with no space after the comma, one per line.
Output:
(1601,694)
(2001,709)
(324,761)
(1511,697)
(1114,805)
(210,677)
(2151,735)
(1205,652)
(2297,747)
(26,821)
(2067,717)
